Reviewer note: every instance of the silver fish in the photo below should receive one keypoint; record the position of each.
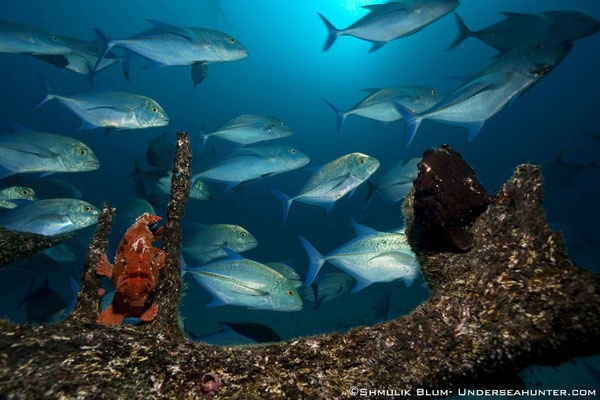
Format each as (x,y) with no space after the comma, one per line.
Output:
(247,129)
(238,281)
(248,163)
(492,89)
(332,181)
(107,109)
(393,20)
(329,287)
(19,193)
(207,242)
(379,104)
(18,38)
(167,44)
(395,184)
(82,58)
(198,189)
(516,29)
(28,151)
(372,257)
(50,217)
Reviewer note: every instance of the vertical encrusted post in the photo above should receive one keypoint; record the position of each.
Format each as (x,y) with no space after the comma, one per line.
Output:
(169,286)
(87,307)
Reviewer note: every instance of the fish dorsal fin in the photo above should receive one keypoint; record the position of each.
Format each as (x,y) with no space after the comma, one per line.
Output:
(175,30)
(231,255)
(361,230)
(385,8)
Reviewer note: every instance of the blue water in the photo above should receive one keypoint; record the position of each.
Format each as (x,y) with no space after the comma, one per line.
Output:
(286,75)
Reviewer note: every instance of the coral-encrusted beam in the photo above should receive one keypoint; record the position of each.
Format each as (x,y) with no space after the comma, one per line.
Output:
(169,284)
(88,299)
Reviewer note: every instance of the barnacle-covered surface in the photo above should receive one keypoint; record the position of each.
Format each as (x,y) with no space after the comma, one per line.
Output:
(513,299)
(20,245)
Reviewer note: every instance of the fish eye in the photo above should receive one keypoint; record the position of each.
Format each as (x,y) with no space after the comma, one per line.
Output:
(362,160)
(87,208)
(433,92)
(55,38)
(154,109)
(82,152)
(231,40)
(293,151)
(282,123)
(243,234)
(289,292)
(24,192)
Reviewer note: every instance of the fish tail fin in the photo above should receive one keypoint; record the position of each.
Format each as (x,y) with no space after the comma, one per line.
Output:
(47,94)
(316,261)
(463,32)
(286,200)
(104,44)
(332,33)
(125,64)
(203,138)
(341,115)
(137,170)
(412,122)
(372,188)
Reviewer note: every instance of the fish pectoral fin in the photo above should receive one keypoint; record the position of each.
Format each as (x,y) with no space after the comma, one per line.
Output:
(247,290)
(340,180)
(465,93)
(101,107)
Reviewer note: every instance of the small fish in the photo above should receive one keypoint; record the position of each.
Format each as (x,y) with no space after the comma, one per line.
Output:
(19,193)
(199,190)
(45,188)
(50,217)
(207,242)
(18,38)
(372,257)
(249,163)
(392,20)
(288,272)
(489,91)
(82,58)
(249,129)
(516,29)
(332,181)
(328,287)
(379,104)
(160,152)
(111,110)
(559,172)
(395,184)
(238,281)
(199,72)
(28,152)
(133,208)
(167,44)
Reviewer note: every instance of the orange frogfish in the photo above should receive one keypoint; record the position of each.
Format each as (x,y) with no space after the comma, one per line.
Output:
(134,274)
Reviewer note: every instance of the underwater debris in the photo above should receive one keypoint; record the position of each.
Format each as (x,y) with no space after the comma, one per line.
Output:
(512,299)
(16,246)
(447,200)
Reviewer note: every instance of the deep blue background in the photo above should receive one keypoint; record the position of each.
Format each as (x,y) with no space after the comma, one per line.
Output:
(286,75)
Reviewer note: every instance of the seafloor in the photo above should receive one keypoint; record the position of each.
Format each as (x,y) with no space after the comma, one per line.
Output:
(505,295)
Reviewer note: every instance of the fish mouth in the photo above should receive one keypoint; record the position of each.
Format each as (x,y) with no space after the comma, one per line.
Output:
(138,275)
